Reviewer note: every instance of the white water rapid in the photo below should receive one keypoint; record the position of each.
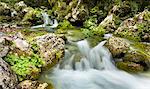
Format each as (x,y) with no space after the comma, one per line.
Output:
(94,70)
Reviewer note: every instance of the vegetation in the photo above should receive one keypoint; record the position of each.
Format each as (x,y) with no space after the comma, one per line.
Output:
(128,21)
(26,67)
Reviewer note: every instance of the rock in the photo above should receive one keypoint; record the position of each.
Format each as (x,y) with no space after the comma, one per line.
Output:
(27,57)
(51,48)
(5,10)
(117,46)
(137,28)
(20,6)
(29,84)
(73,10)
(8,79)
(130,67)
(129,56)
(19,54)
(3,50)
(3,47)
(124,9)
(31,17)
(21,43)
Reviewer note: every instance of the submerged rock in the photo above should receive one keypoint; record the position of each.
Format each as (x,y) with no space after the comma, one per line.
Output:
(8,80)
(29,84)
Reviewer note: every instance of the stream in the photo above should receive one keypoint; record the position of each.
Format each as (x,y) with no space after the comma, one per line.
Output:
(92,68)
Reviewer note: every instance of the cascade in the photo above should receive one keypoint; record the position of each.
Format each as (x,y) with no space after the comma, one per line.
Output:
(94,70)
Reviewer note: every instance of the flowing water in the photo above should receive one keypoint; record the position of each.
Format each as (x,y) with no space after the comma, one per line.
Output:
(92,69)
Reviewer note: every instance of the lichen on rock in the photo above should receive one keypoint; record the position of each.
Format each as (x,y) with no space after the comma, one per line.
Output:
(29,84)
(51,48)
(117,46)
(8,79)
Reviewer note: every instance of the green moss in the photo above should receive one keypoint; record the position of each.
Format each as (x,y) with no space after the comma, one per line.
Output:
(25,66)
(135,56)
(65,24)
(91,22)
(59,55)
(95,40)
(130,67)
(95,31)
(91,28)
(143,50)
(100,31)
(140,32)
(127,33)
(30,35)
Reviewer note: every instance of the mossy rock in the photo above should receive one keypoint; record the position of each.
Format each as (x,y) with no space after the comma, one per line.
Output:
(42,52)
(130,67)
(20,6)
(5,9)
(129,52)
(33,17)
(51,48)
(137,28)
(72,10)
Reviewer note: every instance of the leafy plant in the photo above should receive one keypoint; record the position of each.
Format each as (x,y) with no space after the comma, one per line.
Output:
(26,67)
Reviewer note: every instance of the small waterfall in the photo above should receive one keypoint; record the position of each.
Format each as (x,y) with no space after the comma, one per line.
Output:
(94,70)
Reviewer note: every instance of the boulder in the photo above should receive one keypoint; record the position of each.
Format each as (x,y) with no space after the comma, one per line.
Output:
(136,28)
(129,56)
(28,55)
(29,84)
(51,48)
(8,80)
(117,46)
